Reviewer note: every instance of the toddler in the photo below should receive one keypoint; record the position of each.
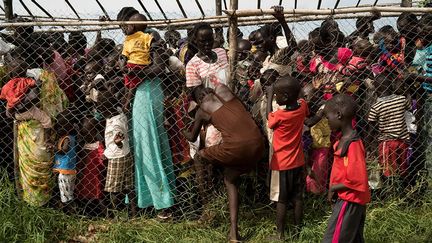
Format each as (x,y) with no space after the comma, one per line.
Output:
(137,51)
(120,170)
(65,158)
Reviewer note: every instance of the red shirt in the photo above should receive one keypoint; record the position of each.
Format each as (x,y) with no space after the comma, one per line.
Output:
(287,128)
(350,170)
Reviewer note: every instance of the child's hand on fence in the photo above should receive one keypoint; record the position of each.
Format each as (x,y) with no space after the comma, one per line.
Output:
(278,12)
(187,135)
(126,108)
(118,139)
(49,146)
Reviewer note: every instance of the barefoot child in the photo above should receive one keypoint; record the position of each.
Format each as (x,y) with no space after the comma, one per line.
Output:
(348,179)
(136,50)
(120,170)
(242,145)
(65,158)
(287,161)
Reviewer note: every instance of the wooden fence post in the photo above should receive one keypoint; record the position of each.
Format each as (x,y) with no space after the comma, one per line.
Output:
(8,9)
(232,54)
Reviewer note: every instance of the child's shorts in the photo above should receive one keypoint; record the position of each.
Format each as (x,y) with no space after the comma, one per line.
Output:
(132,80)
(66,184)
(120,174)
(393,157)
(346,223)
(286,185)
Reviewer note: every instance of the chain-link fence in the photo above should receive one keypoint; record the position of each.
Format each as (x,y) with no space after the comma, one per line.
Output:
(98,129)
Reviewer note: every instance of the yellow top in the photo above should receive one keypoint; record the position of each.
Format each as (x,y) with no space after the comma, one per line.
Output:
(136,48)
(321,134)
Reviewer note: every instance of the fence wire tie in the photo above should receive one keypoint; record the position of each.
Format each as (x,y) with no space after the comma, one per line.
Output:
(332,12)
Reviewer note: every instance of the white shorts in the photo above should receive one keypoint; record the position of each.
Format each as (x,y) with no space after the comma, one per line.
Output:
(67,186)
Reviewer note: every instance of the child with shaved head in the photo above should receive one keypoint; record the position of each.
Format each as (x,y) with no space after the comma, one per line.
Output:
(349,190)
(287,162)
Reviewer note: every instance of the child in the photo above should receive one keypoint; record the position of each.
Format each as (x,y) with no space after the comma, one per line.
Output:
(302,71)
(388,112)
(120,172)
(287,181)
(91,165)
(242,77)
(360,82)
(364,27)
(22,94)
(65,158)
(242,144)
(392,50)
(316,181)
(136,50)
(348,179)
(407,24)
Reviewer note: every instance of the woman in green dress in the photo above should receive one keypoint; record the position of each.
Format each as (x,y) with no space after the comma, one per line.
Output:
(154,174)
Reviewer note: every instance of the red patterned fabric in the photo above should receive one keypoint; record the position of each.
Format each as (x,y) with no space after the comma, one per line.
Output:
(14,90)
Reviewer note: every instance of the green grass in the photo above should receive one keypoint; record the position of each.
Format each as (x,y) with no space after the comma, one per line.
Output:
(393,221)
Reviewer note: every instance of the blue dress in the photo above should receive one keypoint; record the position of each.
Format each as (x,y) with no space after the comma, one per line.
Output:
(154,174)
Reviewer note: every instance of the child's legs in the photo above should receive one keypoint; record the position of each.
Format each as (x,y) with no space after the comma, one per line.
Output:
(402,158)
(287,186)
(278,195)
(231,179)
(298,184)
(388,157)
(320,168)
(67,187)
(200,177)
(346,223)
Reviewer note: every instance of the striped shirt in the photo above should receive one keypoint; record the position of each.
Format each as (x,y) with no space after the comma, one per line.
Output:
(389,112)
(208,74)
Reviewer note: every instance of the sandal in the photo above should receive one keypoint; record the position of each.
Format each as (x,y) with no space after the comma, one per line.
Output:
(164,215)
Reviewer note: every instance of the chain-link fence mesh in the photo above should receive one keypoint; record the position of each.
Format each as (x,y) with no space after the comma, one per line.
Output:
(91,127)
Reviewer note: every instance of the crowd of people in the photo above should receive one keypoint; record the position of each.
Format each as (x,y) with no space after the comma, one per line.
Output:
(119,124)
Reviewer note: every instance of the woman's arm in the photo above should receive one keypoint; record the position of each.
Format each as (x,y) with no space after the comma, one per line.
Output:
(157,66)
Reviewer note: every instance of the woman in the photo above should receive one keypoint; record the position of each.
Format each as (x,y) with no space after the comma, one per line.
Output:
(35,159)
(242,146)
(154,175)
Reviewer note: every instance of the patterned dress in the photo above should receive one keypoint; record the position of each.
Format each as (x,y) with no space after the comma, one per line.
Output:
(35,161)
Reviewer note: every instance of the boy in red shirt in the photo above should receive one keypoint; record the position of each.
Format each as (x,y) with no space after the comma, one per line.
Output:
(348,179)
(287,180)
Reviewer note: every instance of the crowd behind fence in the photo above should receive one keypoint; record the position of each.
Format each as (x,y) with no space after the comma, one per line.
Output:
(82,127)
